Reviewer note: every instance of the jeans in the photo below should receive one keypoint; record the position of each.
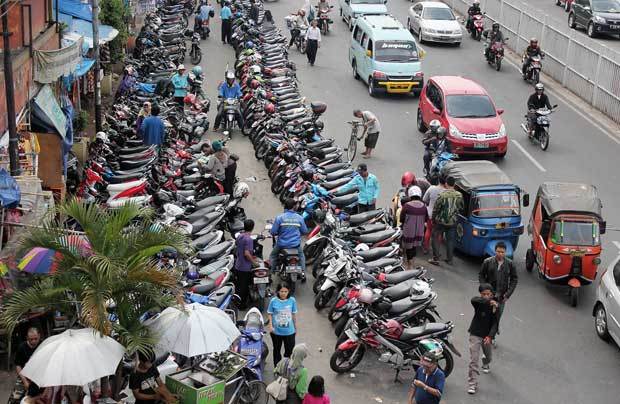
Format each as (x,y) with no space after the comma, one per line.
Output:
(273,257)
(449,233)
(278,340)
(475,345)
(526,63)
(226,30)
(294,34)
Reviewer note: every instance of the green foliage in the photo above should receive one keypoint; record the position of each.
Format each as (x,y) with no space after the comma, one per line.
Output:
(81,121)
(116,14)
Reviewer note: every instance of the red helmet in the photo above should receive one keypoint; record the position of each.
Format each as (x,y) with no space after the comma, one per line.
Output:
(407,179)
(267,71)
(189,99)
(247,96)
(270,108)
(254,84)
(268,95)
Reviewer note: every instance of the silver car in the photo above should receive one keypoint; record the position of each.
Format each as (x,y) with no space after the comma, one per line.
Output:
(434,21)
(607,308)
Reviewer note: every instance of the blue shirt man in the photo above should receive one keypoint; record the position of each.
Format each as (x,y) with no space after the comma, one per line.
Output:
(152,129)
(205,9)
(230,91)
(288,228)
(225,13)
(180,83)
(368,188)
(427,387)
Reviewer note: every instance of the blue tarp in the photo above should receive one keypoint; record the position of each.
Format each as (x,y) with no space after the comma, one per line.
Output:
(83,67)
(85,29)
(75,8)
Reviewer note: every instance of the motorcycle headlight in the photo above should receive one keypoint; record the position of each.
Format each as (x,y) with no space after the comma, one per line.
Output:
(455,132)
(502,131)
(599,19)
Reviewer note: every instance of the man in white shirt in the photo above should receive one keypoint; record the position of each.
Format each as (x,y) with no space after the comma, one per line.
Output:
(313,41)
(372,128)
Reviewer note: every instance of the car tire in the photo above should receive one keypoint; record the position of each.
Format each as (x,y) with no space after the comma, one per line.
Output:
(420,122)
(372,91)
(590,30)
(354,69)
(600,322)
(420,37)
(571,21)
(501,155)
(530,260)
(458,44)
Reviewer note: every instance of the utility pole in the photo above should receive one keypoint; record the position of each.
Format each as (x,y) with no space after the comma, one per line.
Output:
(98,123)
(10,92)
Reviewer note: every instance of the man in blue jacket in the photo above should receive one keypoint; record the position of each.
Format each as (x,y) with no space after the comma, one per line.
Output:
(229,89)
(288,228)
(152,128)
(368,188)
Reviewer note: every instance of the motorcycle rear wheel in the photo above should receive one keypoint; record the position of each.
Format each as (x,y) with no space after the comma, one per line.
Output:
(498,64)
(351,359)
(323,297)
(196,57)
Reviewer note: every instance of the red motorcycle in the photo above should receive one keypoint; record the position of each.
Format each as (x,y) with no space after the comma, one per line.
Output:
(323,19)
(496,55)
(477,26)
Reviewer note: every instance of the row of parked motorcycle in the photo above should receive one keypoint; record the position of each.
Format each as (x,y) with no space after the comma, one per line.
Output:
(356,264)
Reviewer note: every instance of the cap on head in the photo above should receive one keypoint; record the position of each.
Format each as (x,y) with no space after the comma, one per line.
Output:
(181,67)
(217,146)
(362,168)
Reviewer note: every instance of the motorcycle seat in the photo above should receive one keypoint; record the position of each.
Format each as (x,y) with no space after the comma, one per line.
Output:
(345,192)
(139,163)
(338,174)
(335,183)
(205,286)
(381,263)
(398,291)
(416,332)
(200,213)
(213,200)
(133,143)
(376,237)
(327,158)
(119,187)
(217,298)
(139,170)
(221,263)
(217,250)
(364,217)
(402,276)
(366,229)
(133,150)
(117,179)
(189,179)
(289,251)
(191,192)
(374,253)
(400,306)
(346,200)
(207,217)
(208,238)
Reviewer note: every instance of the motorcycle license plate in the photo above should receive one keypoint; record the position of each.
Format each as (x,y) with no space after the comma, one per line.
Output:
(261,280)
(293,270)
(614,26)
(351,335)
(481,145)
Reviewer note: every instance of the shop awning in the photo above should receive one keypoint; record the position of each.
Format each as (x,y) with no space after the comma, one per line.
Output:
(46,114)
(82,28)
(74,8)
(83,67)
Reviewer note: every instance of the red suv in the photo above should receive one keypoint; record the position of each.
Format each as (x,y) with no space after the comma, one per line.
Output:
(467,112)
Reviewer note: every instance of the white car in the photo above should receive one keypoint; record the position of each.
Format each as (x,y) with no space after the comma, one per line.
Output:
(434,21)
(607,307)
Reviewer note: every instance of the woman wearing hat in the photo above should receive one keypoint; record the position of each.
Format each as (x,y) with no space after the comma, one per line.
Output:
(181,84)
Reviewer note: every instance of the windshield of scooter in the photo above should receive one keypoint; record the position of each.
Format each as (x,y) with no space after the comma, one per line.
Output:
(575,232)
(396,51)
(497,204)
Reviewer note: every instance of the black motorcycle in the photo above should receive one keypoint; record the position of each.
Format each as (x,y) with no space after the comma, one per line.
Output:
(195,52)
(540,132)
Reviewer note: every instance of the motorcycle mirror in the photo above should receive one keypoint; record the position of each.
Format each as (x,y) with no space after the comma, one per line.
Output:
(526,200)
(500,111)
(555,106)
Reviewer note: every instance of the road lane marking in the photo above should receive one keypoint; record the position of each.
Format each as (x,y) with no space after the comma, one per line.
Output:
(529,156)
(518,319)
(617,244)
(574,108)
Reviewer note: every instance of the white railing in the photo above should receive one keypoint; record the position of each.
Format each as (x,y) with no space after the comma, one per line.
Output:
(582,65)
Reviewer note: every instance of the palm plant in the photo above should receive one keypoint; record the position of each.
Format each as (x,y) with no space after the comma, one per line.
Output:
(112,264)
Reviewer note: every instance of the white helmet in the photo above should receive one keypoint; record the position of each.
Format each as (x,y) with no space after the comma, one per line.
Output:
(255,69)
(365,296)
(434,125)
(102,136)
(230,75)
(420,290)
(414,191)
(241,190)
(476,1)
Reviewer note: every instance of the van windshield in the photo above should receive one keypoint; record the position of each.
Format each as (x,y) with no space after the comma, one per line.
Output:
(576,233)
(606,6)
(367,2)
(396,51)
(505,204)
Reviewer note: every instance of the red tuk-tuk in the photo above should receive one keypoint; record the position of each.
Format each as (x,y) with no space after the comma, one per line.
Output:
(565,227)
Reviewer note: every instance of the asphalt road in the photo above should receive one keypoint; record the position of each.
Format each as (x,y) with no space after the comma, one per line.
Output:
(547,352)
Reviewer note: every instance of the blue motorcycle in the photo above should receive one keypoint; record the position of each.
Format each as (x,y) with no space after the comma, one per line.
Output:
(251,344)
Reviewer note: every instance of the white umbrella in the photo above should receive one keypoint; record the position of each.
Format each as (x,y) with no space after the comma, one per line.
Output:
(196,331)
(73,358)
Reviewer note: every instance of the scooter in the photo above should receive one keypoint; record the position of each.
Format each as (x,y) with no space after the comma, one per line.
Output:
(532,73)
(540,132)
(477,26)
(251,343)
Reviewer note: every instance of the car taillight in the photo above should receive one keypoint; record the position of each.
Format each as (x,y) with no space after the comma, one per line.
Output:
(419,74)
(379,75)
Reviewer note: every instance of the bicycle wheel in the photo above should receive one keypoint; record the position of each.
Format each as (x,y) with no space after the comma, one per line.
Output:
(253,392)
(352,148)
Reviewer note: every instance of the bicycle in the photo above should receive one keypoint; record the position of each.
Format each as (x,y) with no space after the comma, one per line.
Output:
(352,148)
(247,391)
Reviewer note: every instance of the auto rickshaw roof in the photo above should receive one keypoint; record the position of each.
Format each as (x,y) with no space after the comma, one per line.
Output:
(566,197)
(475,174)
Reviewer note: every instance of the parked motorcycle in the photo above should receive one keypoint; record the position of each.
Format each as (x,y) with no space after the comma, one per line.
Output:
(195,52)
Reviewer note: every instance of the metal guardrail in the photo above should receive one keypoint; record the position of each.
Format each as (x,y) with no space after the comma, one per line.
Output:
(587,68)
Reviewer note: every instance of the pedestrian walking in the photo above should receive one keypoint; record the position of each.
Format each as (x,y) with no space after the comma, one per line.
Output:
(367,186)
(293,370)
(313,41)
(427,387)
(499,272)
(445,216)
(226,16)
(316,392)
(244,261)
(413,216)
(152,129)
(481,332)
(282,326)
(372,127)
(429,198)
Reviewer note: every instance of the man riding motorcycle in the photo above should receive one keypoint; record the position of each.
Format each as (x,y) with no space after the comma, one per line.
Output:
(495,35)
(288,228)
(299,22)
(532,50)
(323,8)
(471,12)
(536,101)
(435,143)
(228,89)
(203,13)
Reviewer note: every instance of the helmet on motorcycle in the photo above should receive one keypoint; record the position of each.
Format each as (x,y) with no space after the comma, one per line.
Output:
(307,175)
(434,125)
(192,275)
(254,84)
(268,95)
(539,87)
(441,132)
(169,253)
(197,70)
(319,125)
(495,26)
(419,290)
(407,179)
(534,42)
(255,69)
(241,190)
(270,108)
(319,215)
(414,191)
(102,136)
(189,99)
(430,350)
(249,45)
(365,296)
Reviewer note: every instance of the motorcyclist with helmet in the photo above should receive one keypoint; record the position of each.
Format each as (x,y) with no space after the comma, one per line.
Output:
(203,13)
(435,143)
(287,230)
(227,90)
(536,101)
(299,22)
(532,50)
(471,12)
(493,36)
(401,197)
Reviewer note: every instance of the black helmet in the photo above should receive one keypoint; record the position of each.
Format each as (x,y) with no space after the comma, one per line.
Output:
(319,216)
(319,125)
(495,26)
(307,175)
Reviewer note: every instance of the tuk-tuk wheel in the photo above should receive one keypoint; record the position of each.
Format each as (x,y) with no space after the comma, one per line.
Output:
(573,296)
(529,260)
